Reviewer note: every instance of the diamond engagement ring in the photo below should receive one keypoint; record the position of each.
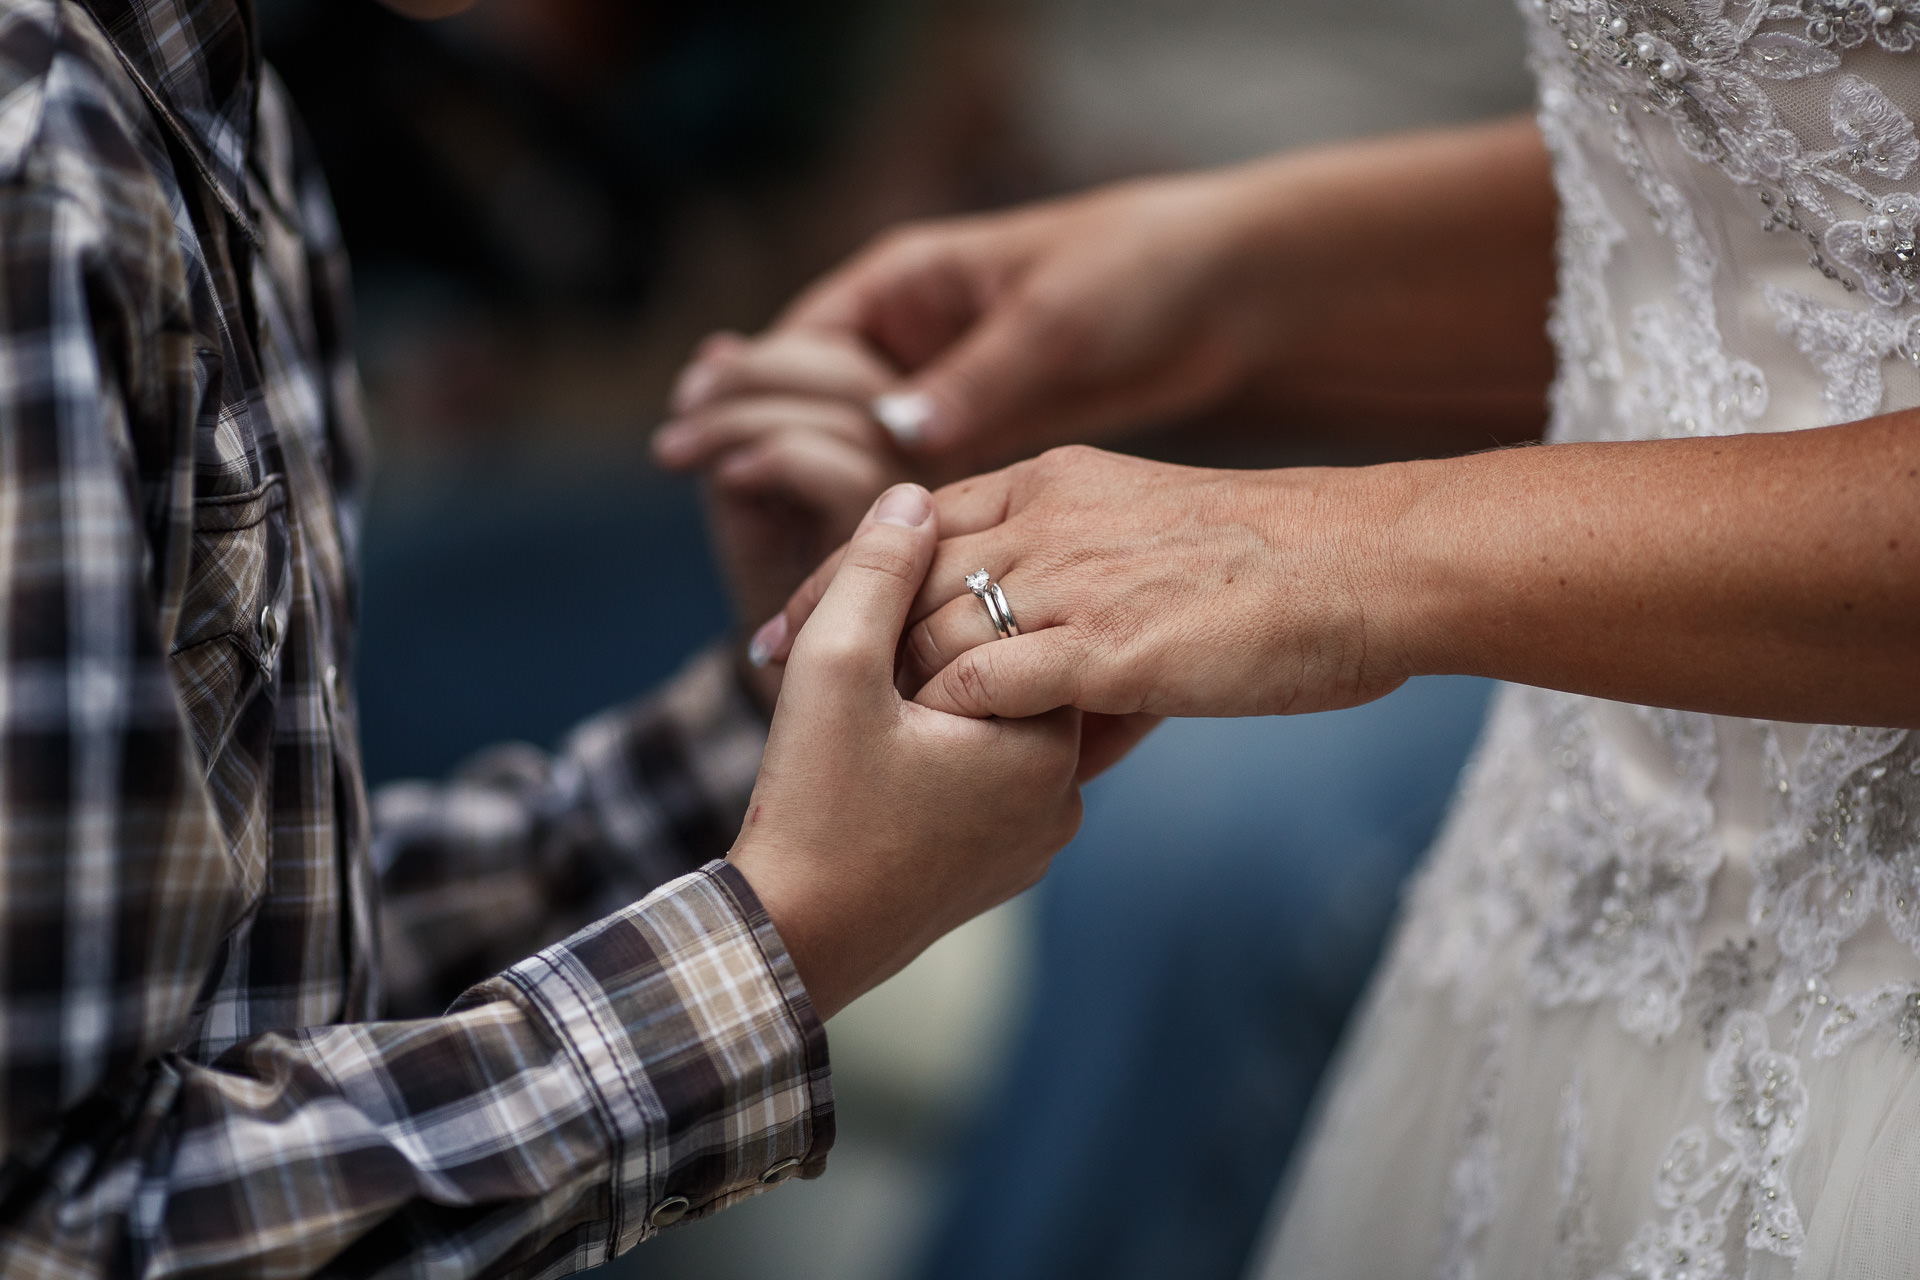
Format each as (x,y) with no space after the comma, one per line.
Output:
(983,585)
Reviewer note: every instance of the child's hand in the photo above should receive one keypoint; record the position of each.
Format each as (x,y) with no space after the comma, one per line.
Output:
(877,824)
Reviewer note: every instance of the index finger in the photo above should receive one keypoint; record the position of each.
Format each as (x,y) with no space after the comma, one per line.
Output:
(909,295)
(774,641)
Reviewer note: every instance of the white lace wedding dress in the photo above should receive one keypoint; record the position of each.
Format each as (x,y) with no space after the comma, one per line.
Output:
(1654,1008)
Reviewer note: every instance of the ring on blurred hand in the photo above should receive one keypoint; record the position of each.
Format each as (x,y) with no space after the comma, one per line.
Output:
(982,585)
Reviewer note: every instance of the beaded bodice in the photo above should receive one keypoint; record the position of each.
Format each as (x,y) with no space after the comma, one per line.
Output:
(1740,190)
(1737,180)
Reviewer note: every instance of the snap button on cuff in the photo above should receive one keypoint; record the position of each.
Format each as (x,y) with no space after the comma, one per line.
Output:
(780,1172)
(670,1211)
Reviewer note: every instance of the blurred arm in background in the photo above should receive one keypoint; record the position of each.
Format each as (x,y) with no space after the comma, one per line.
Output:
(1359,286)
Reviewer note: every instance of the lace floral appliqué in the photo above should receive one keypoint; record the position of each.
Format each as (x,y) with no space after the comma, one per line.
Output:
(1473,1187)
(1845,848)
(1847,347)
(1893,1009)
(1760,1108)
(1709,70)
(1635,876)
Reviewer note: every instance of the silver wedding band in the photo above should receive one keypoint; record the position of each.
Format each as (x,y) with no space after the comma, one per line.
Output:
(1001,613)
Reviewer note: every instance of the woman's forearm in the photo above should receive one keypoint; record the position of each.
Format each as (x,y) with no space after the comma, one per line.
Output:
(1402,278)
(1775,576)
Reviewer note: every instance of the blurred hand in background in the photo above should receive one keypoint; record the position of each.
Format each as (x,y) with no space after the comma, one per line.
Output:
(1069,320)
(791,458)
(1261,287)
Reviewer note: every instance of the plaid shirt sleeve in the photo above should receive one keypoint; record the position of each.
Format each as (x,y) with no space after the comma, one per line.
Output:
(521,847)
(657,1065)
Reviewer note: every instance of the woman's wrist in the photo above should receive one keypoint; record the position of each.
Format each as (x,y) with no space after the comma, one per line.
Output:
(1427,592)
(1342,586)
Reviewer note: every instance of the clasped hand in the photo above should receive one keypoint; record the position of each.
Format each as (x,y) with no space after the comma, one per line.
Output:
(878,825)
(1144,589)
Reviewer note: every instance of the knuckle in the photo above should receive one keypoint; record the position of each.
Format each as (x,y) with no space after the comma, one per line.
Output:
(835,656)
(975,679)
(923,649)
(1063,335)
(1067,457)
(911,245)
(901,236)
(728,367)
(882,553)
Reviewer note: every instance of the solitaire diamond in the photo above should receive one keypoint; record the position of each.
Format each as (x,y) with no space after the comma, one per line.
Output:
(978,581)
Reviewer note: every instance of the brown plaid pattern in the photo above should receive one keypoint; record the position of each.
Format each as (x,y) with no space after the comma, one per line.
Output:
(194,887)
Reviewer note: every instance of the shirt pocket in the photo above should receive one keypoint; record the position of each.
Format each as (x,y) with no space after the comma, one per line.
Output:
(233,619)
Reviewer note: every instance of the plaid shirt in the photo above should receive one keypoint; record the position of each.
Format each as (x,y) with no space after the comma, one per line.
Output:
(191,896)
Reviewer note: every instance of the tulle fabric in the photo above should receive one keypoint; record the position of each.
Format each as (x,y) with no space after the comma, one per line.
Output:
(1468,1131)
(1371,1197)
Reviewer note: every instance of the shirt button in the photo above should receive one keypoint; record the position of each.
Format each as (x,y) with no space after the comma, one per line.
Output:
(332,677)
(779,1173)
(670,1211)
(269,627)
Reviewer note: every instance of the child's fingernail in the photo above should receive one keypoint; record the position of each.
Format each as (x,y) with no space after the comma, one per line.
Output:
(905,414)
(907,505)
(766,640)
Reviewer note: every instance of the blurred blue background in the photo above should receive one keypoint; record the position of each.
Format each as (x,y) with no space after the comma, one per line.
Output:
(505,600)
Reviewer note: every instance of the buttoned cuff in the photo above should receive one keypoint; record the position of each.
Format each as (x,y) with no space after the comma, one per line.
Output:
(708,1065)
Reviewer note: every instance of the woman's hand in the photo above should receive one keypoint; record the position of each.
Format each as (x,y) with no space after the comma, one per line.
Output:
(1143,588)
(877,824)
(1057,322)
(1395,285)
(1768,576)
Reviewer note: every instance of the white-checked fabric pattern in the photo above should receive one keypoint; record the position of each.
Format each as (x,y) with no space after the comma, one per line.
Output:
(195,889)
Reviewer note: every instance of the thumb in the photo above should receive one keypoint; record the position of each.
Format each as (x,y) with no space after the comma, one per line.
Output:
(856,628)
(996,376)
